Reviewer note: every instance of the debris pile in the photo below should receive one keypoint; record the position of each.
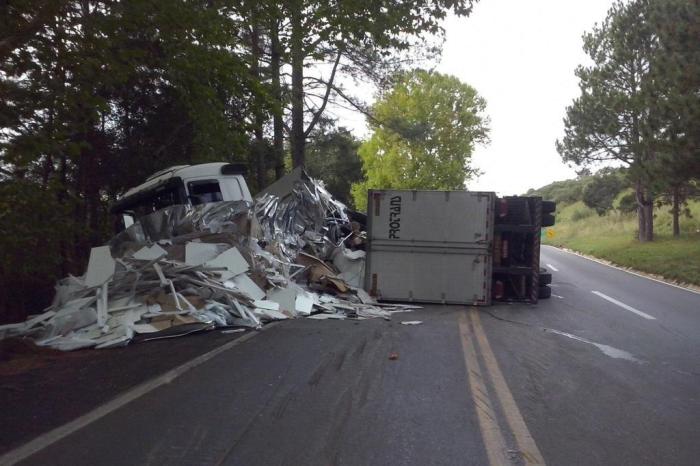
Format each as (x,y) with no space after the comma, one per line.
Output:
(185,269)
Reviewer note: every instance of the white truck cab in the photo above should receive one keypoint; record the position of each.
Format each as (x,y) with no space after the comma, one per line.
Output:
(183,185)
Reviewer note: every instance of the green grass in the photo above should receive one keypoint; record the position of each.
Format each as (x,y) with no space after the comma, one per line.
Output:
(613,237)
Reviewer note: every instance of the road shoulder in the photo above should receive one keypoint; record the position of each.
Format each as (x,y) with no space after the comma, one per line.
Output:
(43,390)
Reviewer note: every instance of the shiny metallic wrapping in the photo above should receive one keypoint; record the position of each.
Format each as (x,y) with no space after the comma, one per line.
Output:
(307,213)
(183,221)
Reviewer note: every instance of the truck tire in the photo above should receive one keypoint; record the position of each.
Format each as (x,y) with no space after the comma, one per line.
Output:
(547,220)
(544,293)
(548,207)
(545,277)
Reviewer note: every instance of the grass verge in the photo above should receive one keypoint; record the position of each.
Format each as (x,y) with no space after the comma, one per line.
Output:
(612,237)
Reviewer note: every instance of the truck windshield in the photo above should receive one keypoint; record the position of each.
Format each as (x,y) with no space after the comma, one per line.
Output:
(158,200)
(204,191)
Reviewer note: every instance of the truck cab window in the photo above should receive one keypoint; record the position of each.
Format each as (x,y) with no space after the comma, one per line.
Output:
(164,199)
(205,191)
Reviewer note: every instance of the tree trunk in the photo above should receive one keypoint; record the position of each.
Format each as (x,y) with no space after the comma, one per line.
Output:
(676,211)
(645,213)
(62,196)
(258,118)
(649,218)
(297,139)
(277,117)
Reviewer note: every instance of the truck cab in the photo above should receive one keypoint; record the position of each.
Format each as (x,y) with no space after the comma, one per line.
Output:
(183,185)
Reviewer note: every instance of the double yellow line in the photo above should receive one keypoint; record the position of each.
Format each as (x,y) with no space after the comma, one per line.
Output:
(485,380)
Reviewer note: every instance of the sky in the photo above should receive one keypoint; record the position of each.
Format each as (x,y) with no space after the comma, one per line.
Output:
(520,56)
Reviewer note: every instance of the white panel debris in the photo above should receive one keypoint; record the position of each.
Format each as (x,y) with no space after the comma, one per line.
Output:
(304,303)
(285,297)
(268,305)
(199,253)
(248,286)
(149,253)
(232,260)
(351,265)
(100,267)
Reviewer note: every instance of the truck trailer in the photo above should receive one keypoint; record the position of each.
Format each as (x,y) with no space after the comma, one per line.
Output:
(455,247)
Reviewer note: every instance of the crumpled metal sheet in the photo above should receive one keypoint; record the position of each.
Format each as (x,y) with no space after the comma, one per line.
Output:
(181,220)
(131,238)
(307,211)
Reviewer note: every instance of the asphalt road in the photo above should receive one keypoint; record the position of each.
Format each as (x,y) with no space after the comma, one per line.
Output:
(607,371)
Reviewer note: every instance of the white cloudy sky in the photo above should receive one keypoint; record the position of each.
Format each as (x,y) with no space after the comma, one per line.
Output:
(520,56)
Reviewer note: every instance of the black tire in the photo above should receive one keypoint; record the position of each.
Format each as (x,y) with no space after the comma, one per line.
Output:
(545,277)
(544,293)
(547,220)
(548,207)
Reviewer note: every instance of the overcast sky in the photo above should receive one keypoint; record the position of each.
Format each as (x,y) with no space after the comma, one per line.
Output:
(520,56)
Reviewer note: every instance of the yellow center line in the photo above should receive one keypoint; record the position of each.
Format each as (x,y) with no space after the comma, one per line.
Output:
(490,431)
(528,448)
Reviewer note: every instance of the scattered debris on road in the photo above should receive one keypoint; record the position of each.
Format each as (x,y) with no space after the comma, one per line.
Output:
(182,269)
(411,322)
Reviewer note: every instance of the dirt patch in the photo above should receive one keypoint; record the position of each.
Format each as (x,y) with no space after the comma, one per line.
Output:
(19,355)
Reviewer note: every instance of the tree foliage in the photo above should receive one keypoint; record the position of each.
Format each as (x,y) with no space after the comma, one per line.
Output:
(638,104)
(332,156)
(424,132)
(600,192)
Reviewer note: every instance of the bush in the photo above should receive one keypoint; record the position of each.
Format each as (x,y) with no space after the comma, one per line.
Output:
(601,191)
(628,203)
(580,215)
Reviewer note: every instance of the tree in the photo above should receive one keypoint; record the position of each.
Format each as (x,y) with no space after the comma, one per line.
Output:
(355,39)
(424,132)
(640,104)
(611,120)
(332,157)
(675,71)
(601,190)
(96,95)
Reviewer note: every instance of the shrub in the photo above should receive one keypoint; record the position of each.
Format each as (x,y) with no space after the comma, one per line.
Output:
(580,215)
(628,203)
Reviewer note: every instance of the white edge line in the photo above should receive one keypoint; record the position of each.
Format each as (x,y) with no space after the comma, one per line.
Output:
(48,438)
(623,269)
(623,305)
(554,269)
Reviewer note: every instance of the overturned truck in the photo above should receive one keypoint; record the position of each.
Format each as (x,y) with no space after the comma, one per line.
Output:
(197,252)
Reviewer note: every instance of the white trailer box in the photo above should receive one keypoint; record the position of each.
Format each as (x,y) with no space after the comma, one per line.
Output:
(430,246)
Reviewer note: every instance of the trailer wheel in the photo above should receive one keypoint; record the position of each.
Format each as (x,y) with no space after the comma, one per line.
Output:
(547,220)
(548,207)
(545,292)
(545,277)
